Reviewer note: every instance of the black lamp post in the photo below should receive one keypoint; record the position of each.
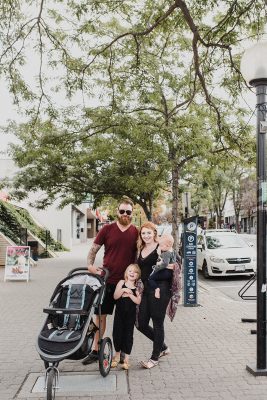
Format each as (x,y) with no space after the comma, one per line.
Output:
(254,70)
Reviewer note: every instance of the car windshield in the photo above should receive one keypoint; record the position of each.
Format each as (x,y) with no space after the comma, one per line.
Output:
(224,241)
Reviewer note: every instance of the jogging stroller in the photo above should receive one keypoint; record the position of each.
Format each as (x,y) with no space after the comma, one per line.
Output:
(68,331)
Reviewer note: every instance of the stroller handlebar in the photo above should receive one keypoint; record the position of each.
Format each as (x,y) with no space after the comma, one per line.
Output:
(85,271)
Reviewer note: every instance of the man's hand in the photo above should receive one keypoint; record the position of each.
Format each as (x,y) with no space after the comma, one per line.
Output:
(95,270)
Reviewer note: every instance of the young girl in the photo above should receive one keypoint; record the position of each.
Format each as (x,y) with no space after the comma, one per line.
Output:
(127,298)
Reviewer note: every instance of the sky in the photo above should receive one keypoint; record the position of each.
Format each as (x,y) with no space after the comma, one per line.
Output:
(7,111)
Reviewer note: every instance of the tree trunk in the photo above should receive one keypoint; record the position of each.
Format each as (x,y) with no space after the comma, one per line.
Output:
(175,211)
(237,222)
(249,223)
(147,208)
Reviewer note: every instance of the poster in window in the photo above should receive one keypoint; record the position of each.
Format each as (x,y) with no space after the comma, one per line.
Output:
(17,263)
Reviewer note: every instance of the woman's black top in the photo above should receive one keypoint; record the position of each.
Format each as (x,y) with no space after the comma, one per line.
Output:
(146,265)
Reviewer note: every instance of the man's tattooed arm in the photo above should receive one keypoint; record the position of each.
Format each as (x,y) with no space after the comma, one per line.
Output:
(91,259)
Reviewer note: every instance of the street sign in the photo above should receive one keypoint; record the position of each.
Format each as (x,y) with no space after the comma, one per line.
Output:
(190,261)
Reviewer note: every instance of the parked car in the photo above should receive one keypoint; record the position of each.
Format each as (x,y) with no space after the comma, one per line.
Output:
(224,253)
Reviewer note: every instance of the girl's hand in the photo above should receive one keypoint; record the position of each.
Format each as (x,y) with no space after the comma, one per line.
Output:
(170,266)
(127,291)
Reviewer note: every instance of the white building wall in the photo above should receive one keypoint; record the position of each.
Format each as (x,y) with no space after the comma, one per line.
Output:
(78,225)
(55,220)
(52,218)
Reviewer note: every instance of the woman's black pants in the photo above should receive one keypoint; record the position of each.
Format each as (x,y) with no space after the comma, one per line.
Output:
(155,309)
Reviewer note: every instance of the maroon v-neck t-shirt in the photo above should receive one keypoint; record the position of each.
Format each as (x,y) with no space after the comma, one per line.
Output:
(120,249)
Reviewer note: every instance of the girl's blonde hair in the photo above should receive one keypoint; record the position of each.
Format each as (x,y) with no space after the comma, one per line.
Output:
(140,242)
(136,268)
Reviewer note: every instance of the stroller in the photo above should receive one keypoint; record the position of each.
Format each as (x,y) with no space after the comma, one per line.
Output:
(68,331)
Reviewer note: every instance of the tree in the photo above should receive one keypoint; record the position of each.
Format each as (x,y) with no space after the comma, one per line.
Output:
(70,166)
(78,42)
(248,188)
(240,185)
(173,65)
(221,180)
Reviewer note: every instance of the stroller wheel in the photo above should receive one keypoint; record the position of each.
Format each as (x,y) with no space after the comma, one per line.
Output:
(105,356)
(51,384)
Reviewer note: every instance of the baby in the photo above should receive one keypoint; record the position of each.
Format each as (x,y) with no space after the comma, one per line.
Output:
(162,271)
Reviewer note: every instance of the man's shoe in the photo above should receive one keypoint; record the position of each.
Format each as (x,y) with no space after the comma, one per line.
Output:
(91,358)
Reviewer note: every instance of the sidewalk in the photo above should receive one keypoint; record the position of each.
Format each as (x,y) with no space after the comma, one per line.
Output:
(210,345)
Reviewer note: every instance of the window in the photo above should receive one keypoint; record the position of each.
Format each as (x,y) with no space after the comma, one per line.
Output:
(59,235)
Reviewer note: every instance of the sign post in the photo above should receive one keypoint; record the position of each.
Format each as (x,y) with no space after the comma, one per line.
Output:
(190,261)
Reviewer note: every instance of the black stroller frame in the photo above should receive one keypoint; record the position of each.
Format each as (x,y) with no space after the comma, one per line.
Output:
(62,331)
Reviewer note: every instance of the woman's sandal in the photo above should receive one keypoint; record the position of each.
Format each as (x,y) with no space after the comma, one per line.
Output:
(114,362)
(149,364)
(165,352)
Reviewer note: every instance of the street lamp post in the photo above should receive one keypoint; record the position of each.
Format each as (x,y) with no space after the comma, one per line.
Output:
(254,70)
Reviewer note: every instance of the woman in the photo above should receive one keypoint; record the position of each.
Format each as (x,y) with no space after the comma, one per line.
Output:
(152,307)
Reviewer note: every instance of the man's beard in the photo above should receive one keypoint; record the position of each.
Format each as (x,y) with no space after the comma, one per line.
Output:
(124,220)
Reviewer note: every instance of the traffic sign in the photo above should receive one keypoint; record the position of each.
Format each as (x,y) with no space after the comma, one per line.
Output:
(190,261)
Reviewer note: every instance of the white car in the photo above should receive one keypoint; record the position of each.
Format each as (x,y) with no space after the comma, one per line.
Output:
(224,253)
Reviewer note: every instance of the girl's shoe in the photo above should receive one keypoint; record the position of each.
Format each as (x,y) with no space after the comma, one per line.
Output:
(122,357)
(149,364)
(165,352)
(125,365)
(114,362)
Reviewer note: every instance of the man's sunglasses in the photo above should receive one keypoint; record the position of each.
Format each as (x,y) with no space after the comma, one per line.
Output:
(128,212)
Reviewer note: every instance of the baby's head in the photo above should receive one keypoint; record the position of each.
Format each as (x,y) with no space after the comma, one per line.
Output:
(132,271)
(166,242)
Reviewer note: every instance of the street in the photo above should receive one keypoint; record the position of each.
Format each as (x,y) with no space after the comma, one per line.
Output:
(210,345)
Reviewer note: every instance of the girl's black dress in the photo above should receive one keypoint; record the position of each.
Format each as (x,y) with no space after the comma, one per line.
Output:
(123,325)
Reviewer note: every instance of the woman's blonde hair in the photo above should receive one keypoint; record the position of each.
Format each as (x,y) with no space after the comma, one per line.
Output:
(136,268)
(140,242)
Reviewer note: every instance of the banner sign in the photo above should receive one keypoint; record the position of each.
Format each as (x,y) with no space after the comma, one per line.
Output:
(17,263)
(190,261)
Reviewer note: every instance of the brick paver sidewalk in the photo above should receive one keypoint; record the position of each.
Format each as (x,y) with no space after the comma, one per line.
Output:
(210,345)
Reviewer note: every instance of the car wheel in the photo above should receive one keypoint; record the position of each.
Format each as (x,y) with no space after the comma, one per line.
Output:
(205,270)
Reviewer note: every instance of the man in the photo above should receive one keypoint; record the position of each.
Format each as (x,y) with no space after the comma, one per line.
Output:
(119,240)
